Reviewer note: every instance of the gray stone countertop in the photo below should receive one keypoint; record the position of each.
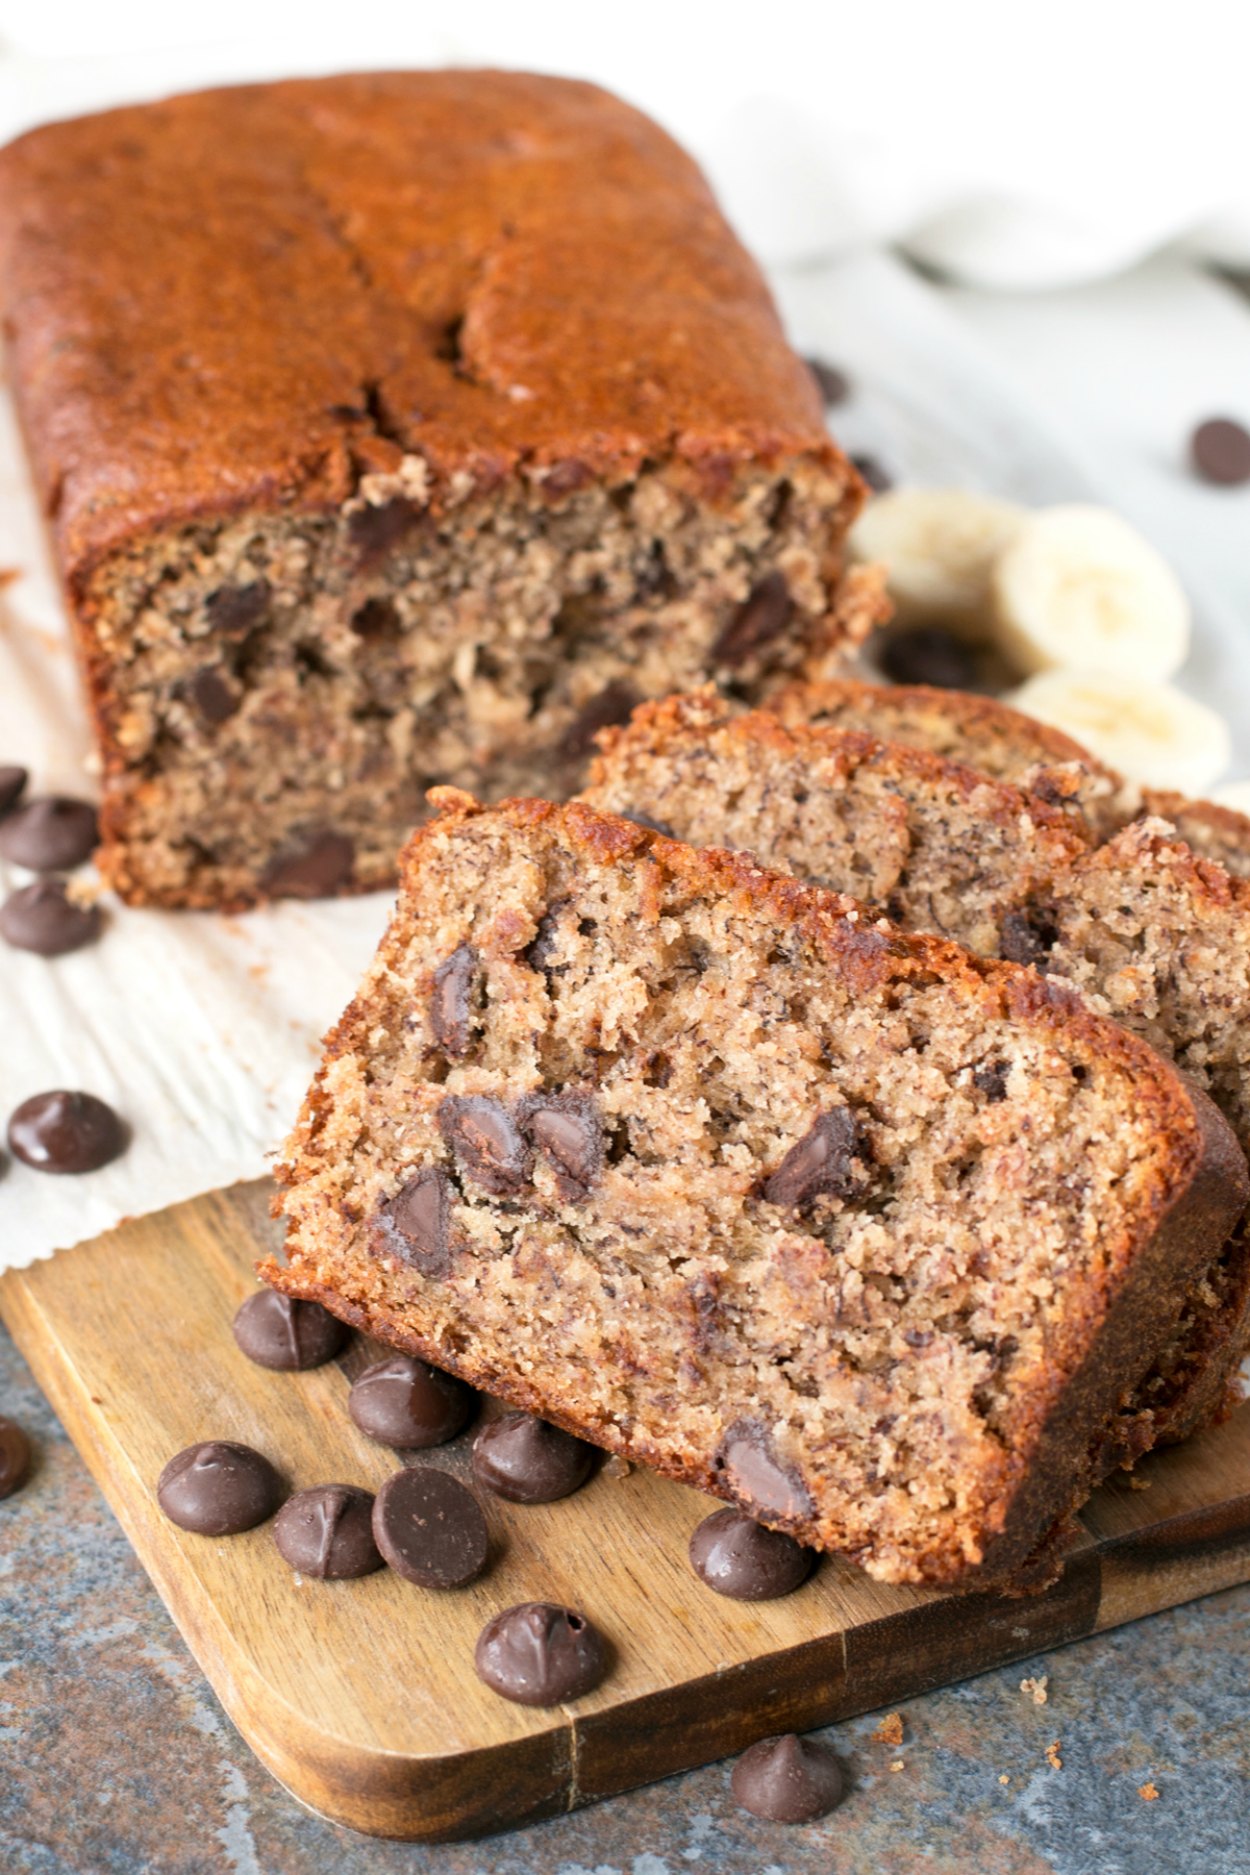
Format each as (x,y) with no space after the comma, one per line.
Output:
(115,1757)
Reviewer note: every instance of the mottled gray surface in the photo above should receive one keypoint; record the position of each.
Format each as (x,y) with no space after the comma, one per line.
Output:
(116,1758)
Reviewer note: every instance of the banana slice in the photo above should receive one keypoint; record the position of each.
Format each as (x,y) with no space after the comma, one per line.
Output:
(1234,794)
(938,546)
(1151,732)
(1078,586)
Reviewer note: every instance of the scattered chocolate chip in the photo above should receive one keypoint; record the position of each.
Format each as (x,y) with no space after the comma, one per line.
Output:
(409,1405)
(1220,452)
(991,1079)
(486,1141)
(14,1456)
(451,1003)
(538,955)
(277,1331)
(540,1655)
(740,1558)
(327,1533)
(788,1779)
(1028,937)
(821,1162)
(528,1461)
(927,654)
(66,1132)
(566,1129)
(49,834)
(210,694)
(415,1225)
(376,619)
(234,610)
(762,616)
(751,1466)
(12,783)
(41,917)
(430,1529)
(311,868)
(834,385)
(874,473)
(218,1488)
(615,703)
(645,820)
(373,531)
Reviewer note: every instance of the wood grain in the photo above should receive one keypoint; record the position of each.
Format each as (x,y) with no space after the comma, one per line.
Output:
(361,1698)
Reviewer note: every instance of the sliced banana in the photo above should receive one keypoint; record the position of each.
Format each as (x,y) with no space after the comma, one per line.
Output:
(1234,794)
(938,546)
(1151,732)
(1078,586)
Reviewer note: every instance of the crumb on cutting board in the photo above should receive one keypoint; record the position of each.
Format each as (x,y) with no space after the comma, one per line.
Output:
(1148,1791)
(1052,1756)
(890,1730)
(1036,1688)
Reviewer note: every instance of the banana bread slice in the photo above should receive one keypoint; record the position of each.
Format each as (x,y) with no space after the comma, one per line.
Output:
(397,428)
(1003,742)
(863,1233)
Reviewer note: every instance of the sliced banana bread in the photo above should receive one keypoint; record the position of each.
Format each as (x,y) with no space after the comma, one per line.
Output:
(867,1235)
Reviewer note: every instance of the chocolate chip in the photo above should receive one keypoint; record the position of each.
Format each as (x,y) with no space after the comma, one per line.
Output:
(877,477)
(409,1405)
(14,1456)
(486,1141)
(645,820)
(430,1529)
(821,1162)
(50,833)
(834,385)
(279,1332)
(1028,937)
(210,695)
(451,1003)
(12,782)
(218,1488)
(66,1132)
(566,1129)
(762,616)
(538,1654)
(374,530)
(740,1558)
(927,654)
(788,1779)
(415,1225)
(529,1461)
(539,954)
(312,867)
(327,1533)
(752,1468)
(376,619)
(565,478)
(991,1079)
(615,703)
(41,917)
(1220,452)
(234,610)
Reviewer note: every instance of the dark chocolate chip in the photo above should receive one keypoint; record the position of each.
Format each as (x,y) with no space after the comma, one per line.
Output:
(834,385)
(234,610)
(1220,452)
(1028,937)
(451,1002)
(529,1461)
(874,473)
(409,1405)
(566,1129)
(752,1468)
(538,1654)
(415,1225)
(66,1132)
(14,1456)
(376,619)
(49,834)
(311,868)
(615,703)
(277,1331)
(740,1558)
(430,1529)
(12,783)
(762,616)
(646,820)
(327,1533)
(218,1488)
(210,694)
(927,654)
(486,1141)
(788,1779)
(373,531)
(539,954)
(41,917)
(821,1162)
(991,1079)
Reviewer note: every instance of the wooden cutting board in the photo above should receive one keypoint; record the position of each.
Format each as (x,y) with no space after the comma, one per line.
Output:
(361,1697)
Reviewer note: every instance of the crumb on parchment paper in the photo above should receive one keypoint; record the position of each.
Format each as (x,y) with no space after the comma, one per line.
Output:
(1148,1791)
(897,1765)
(1052,1756)
(1036,1688)
(1003,1778)
(890,1730)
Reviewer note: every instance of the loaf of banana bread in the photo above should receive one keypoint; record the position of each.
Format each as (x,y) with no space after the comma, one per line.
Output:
(392,429)
(720,1171)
